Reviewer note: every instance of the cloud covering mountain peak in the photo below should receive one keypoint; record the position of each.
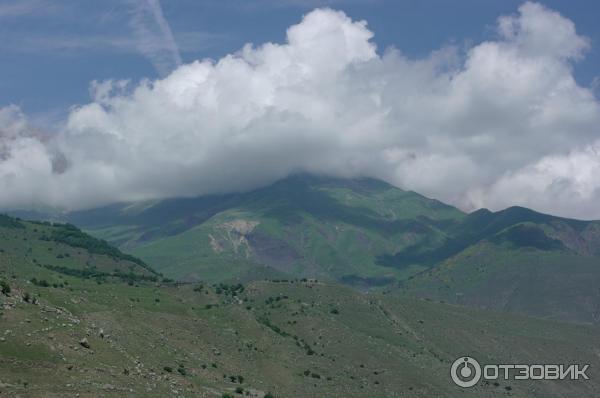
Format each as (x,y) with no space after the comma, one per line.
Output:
(501,123)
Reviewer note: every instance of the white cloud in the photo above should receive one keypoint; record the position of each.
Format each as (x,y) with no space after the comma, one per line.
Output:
(505,123)
(569,184)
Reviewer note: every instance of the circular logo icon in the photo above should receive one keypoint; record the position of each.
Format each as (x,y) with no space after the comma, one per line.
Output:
(465,372)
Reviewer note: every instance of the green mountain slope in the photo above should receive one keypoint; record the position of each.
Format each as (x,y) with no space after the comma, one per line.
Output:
(521,261)
(546,283)
(366,233)
(542,231)
(303,226)
(80,319)
(43,248)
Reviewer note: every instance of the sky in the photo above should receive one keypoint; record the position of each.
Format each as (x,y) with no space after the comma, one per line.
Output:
(478,103)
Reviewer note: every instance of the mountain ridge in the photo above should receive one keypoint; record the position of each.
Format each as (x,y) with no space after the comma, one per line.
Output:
(367,234)
(396,232)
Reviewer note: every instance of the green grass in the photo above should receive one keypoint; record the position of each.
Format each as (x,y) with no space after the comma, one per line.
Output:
(361,232)
(307,226)
(550,284)
(290,337)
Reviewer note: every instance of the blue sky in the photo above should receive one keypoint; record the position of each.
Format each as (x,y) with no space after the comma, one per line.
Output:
(50,50)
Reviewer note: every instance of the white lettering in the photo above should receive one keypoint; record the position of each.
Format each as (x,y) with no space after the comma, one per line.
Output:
(568,372)
(552,372)
(519,375)
(536,372)
(506,368)
(490,376)
(581,372)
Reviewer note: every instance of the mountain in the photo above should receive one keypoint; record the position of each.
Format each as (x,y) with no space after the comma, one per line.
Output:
(302,226)
(368,234)
(78,318)
(517,260)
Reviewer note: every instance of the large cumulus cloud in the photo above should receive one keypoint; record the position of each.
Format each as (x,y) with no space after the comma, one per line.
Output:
(502,123)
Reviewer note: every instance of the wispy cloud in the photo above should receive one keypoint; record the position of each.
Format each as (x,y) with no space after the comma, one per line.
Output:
(154,35)
(72,44)
(25,7)
(258,5)
(116,26)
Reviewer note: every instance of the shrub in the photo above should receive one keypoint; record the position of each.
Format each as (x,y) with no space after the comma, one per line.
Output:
(232,290)
(276,329)
(130,277)
(168,369)
(4,288)
(9,222)
(239,379)
(41,282)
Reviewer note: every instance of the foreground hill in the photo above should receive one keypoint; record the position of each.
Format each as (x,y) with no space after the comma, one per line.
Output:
(44,248)
(81,319)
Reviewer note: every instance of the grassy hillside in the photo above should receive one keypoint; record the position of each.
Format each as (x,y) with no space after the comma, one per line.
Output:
(532,264)
(79,319)
(551,284)
(367,234)
(44,248)
(520,226)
